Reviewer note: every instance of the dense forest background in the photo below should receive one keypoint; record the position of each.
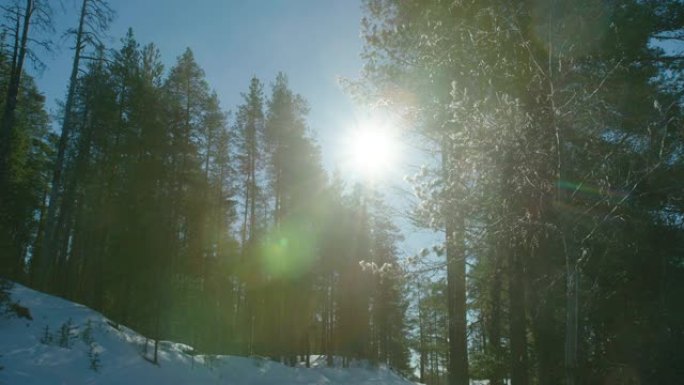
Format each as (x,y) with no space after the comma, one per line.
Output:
(554,168)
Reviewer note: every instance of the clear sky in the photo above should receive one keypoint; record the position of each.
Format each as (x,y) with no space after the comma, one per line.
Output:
(315,42)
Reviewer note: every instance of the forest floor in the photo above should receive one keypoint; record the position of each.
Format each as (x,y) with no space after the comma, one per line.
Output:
(49,340)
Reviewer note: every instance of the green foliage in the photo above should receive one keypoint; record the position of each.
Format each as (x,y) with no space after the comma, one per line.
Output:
(87,333)
(94,358)
(168,217)
(46,338)
(5,297)
(554,147)
(556,130)
(25,180)
(65,334)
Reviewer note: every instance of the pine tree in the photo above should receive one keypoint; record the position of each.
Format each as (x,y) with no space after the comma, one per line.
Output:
(34,16)
(530,99)
(248,133)
(95,16)
(21,137)
(22,209)
(296,180)
(388,303)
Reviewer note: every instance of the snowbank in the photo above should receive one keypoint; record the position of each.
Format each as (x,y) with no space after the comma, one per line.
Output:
(68,343)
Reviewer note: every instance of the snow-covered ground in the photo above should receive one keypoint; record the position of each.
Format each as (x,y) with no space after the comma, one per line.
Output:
(68,343)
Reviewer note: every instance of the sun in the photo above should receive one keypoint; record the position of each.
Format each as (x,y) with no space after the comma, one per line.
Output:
(372,150)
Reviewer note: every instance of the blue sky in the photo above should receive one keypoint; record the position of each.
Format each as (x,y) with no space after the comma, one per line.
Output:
(315,42)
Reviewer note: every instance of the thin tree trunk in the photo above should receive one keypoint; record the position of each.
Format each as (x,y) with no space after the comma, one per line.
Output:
(331,321)
(47,252)
(495,321)
(245,215)
(75,260)
(39,235)
(518,332)
(435,343)
(571,327)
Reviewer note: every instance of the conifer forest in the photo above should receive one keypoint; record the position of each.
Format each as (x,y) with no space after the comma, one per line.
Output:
(548,165)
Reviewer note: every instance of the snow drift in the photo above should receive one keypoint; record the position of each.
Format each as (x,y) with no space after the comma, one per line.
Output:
(61,342)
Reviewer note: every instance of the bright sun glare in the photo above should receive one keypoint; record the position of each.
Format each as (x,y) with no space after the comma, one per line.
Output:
(372,150)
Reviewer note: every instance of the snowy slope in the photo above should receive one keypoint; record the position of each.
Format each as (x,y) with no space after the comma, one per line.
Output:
(68,343)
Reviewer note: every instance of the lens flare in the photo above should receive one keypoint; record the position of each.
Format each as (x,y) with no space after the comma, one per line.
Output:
(371,150)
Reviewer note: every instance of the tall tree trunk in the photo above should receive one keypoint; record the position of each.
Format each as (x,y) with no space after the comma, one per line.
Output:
(544,340)
(544,326)
(456,300)
(245,214)
(494,345)
(75,260)
(571,326)
(456,286)
(8,116)
(422,342)
(331,321)
(47,252)
(325,347)
(12,259)
(39,234)
(65,226)
(518,332)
